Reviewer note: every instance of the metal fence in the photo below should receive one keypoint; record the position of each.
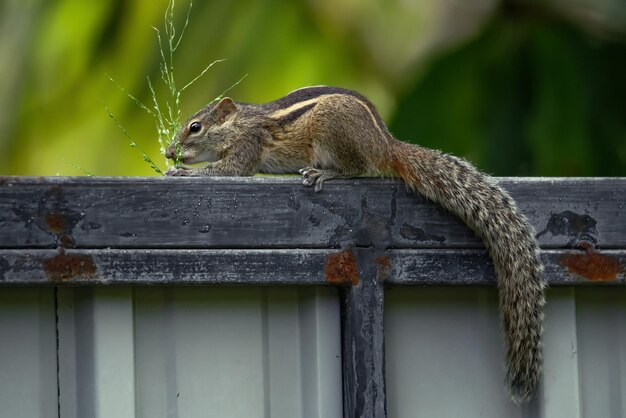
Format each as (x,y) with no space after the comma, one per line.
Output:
(85,331)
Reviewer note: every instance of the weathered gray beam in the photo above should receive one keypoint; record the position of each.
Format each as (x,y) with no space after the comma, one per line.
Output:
(288,267)
(473,267)
(277,212)
(154,267)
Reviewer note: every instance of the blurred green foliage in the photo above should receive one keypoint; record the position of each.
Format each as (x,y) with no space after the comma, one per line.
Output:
(524,98)
(519,88)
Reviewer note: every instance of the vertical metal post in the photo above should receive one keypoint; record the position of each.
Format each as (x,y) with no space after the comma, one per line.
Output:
(363,338)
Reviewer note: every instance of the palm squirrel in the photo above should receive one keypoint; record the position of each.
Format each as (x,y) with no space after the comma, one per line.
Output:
(326,133)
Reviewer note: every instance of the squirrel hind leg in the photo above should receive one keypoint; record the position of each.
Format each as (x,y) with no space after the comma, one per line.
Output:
(316,176)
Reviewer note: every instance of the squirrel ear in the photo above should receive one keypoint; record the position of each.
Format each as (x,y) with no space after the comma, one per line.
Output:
(225,109)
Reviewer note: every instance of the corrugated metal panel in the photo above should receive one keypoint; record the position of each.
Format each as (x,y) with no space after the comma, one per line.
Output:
(443,351)
(274,352)
(560,394)
(28,366)
(601,331)
(210,351)
(96,352)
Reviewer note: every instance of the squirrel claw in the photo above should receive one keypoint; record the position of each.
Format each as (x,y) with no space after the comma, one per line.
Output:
(312,177)
(317,177)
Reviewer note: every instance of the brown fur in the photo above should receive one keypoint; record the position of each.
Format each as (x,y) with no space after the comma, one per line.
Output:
(328,132)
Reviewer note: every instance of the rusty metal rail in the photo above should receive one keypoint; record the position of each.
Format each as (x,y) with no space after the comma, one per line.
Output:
(358,234)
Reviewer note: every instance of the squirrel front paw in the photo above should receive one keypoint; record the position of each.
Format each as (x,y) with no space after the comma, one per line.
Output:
(316,177)
(178,172)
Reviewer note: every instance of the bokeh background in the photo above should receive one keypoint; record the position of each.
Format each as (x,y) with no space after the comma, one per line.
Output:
(525,87)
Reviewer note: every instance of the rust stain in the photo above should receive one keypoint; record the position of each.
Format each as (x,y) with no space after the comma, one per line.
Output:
(341,268)
(383,268)
(56,222)
(64,267)
(592,265)
(66,240)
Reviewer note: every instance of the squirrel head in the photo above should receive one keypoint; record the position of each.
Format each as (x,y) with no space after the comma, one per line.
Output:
(205,136)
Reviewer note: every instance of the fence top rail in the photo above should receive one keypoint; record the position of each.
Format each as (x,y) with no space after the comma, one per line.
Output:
(265,178)
(45,215)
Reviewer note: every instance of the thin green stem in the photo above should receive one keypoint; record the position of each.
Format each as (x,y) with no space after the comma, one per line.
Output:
(132,142)
(229,89)
(133,98)
(201,74)
(182,32)
(76,166)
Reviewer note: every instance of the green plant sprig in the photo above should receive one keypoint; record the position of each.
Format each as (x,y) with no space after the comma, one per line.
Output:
(167,113)
(132,143)
(76,166)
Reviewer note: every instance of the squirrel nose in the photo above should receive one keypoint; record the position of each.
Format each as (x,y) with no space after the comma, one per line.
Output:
(170,152)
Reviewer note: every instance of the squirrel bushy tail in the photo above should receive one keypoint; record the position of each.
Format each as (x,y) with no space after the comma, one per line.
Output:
(489,211)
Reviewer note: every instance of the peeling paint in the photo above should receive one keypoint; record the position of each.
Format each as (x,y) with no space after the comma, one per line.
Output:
(593,265)
(52,214)
(412,233)
(571,224)
(341,268)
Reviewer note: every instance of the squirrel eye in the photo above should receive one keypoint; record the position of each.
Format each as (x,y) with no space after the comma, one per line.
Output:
(195,127)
